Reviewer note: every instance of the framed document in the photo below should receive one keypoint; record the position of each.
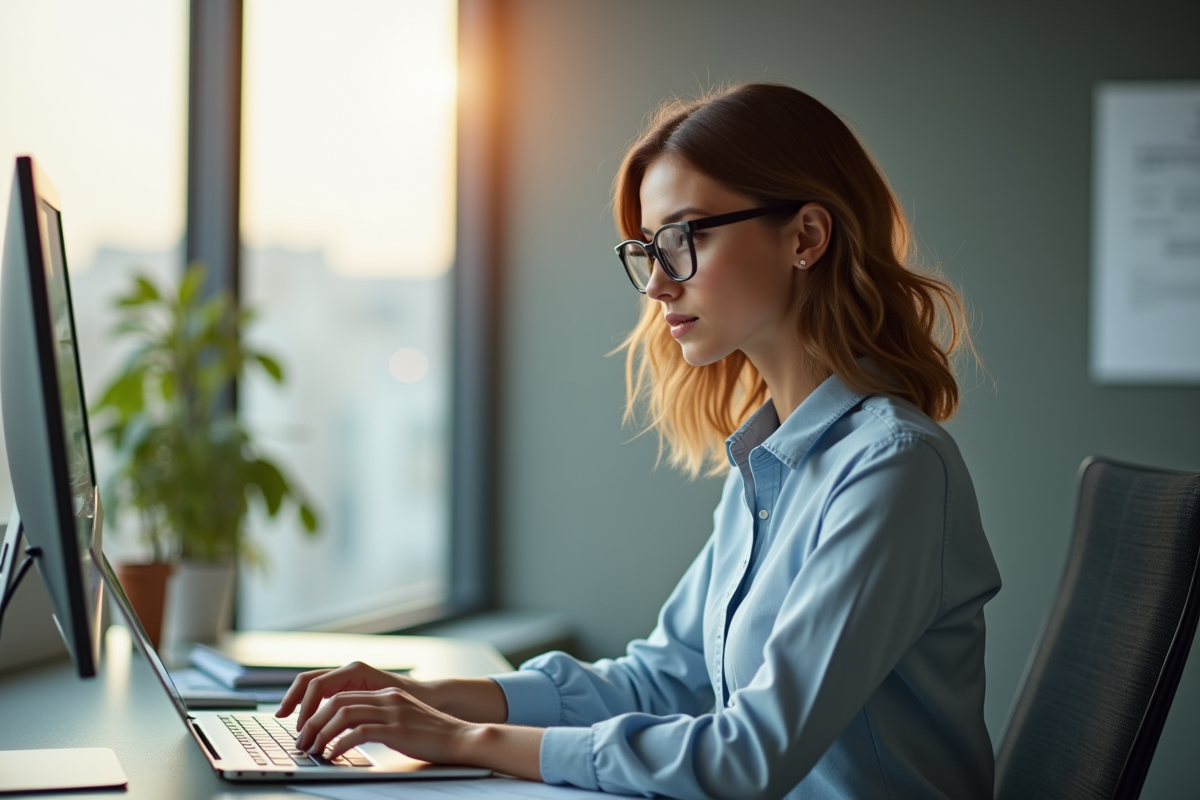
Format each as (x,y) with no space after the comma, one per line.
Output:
(1145,304)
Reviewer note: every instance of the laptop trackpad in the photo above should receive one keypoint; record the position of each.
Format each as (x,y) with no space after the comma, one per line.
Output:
(387,758)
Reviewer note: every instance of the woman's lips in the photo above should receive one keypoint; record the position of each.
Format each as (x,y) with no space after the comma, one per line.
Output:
(680,324)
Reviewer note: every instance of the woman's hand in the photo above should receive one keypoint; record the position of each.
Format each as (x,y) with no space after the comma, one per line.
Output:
(391,716)
(471,699)
(310,688)
(399,720)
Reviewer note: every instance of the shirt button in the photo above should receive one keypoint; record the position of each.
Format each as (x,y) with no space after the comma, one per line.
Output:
(763,514)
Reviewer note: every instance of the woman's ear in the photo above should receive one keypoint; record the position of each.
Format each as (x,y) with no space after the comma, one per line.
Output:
(812,227)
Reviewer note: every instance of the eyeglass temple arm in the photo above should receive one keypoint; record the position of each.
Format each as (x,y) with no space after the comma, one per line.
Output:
(738,216)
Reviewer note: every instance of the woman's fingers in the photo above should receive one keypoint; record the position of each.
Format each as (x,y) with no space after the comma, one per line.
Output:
(389,716)
(310,688)
(354,737)
(320,687)
(296,691)
(344,721)
(355,676)
(322,718)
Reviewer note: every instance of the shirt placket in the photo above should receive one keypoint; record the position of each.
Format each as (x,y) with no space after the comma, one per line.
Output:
(720,690)
(738,453)
(761,479)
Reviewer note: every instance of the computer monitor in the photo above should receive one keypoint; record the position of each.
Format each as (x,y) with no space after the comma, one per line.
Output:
(45,421)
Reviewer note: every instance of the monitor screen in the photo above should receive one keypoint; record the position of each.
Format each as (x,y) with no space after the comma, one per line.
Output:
(45,421)
(66,367)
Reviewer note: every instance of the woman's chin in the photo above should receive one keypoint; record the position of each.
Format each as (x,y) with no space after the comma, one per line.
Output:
(698,356)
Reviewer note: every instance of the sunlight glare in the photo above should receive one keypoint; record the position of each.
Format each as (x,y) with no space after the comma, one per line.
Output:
(408,365)
(97,93)
(329,87)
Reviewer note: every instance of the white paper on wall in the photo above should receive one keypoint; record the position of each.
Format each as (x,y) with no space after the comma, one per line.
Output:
(1145,323)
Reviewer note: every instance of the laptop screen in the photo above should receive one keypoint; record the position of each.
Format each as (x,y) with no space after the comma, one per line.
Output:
(139,633)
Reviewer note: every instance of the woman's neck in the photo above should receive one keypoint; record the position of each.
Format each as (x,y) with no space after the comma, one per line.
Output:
(791,376)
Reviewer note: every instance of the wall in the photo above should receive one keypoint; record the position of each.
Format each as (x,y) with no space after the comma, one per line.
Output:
(981,116)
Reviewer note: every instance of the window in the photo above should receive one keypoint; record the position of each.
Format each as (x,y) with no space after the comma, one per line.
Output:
(348,197)
(348,208)
(97,93)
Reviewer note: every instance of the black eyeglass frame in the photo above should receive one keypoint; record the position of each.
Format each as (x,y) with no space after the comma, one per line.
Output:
(690,226)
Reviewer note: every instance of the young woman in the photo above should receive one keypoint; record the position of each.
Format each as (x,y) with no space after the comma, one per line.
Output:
(828,640)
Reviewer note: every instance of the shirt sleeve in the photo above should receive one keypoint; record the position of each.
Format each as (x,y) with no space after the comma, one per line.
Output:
(662,674)
(866,592)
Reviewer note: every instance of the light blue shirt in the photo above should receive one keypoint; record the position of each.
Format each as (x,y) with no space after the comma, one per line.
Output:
(826,643)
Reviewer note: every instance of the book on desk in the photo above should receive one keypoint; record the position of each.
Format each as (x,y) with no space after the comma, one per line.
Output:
(246,660)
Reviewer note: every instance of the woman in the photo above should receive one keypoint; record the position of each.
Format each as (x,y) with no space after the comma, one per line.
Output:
(828,640)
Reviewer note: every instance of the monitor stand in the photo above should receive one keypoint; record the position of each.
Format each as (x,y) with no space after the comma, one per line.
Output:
(10,547)
(49,769)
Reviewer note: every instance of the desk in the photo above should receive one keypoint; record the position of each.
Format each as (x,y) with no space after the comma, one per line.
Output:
(125,708)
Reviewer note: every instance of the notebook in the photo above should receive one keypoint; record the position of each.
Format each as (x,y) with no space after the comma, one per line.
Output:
(248,659)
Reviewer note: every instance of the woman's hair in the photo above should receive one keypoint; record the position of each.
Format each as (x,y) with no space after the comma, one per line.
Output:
(775,143)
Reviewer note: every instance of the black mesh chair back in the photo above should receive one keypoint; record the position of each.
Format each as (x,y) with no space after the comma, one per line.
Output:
(1097,690)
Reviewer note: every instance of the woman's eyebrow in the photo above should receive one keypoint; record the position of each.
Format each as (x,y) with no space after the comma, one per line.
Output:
(678,215)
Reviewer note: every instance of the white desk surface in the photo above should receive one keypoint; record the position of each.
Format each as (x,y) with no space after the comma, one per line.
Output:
(126,709)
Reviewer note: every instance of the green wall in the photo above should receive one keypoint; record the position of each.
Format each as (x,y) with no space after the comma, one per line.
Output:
(981,116)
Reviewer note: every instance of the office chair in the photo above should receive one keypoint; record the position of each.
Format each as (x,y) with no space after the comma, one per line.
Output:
(1097,689)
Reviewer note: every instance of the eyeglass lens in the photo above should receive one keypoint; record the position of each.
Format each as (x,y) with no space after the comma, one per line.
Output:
(674,255)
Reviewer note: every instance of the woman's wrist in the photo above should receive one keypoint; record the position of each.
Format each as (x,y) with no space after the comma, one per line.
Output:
(511,749)
(477,700)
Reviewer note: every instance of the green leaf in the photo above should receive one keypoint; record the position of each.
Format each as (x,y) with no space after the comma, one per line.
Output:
(167,385)
(132,325)
(193,279)
(271,366)
(269,480)
(309,518)
(211,313)
(144,291)
(113,433)
(126,395)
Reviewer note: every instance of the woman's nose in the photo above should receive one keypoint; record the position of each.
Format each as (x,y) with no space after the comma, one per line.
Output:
(660,287)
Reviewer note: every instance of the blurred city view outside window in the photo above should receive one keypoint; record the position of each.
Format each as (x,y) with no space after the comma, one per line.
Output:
(348,175)
(97,94)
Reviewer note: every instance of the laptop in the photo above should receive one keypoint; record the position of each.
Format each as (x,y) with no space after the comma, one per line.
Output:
(257,746)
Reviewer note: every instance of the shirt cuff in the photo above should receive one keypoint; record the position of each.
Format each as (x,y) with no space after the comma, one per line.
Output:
(566,757)
(532,698)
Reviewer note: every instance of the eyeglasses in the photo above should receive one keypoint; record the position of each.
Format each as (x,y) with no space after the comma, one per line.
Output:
(673,248)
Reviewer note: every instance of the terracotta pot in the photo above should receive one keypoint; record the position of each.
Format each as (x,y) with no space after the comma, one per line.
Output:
(199,602)
(146,587)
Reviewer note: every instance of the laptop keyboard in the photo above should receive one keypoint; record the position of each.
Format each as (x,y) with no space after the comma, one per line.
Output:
(269,741)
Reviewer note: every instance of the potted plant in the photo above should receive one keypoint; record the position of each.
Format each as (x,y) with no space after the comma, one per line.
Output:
(187,468)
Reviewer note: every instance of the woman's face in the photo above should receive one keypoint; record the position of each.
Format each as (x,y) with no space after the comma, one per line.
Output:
(746,273)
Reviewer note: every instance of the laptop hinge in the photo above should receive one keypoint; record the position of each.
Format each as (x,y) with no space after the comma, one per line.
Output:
(199,732)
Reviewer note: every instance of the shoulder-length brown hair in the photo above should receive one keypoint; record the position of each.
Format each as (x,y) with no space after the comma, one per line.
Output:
(863,298)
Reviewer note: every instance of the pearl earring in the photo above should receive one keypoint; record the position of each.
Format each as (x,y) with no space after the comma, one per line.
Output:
(803,263)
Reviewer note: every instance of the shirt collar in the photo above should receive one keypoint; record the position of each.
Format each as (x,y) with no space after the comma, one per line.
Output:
(792,440)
